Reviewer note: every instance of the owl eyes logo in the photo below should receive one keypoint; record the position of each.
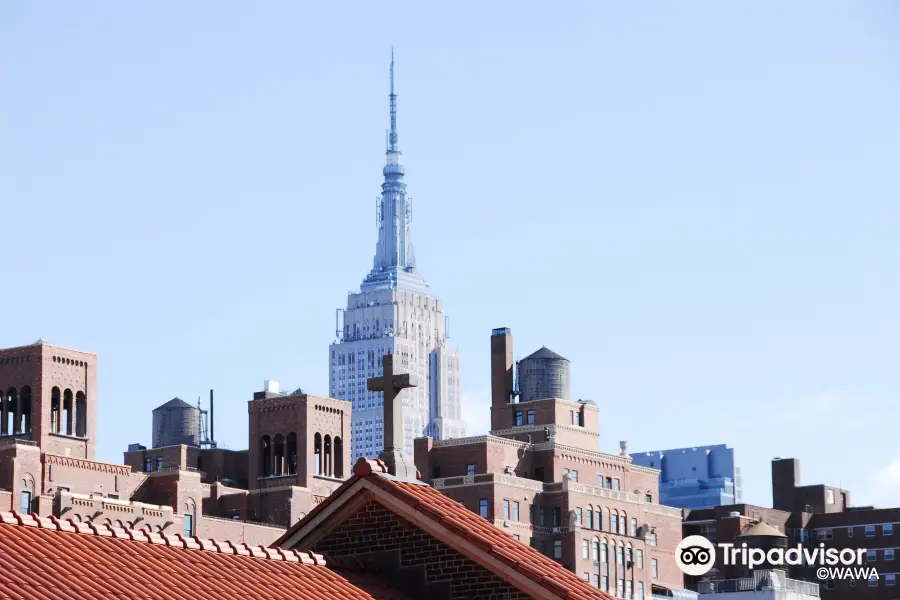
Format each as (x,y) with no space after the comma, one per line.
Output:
(695,555)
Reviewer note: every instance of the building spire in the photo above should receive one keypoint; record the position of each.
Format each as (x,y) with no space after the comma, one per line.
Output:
(392,136)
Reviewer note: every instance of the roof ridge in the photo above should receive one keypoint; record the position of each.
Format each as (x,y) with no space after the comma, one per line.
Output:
(175,540)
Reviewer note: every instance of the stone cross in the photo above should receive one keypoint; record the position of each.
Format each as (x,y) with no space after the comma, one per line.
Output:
(391,384)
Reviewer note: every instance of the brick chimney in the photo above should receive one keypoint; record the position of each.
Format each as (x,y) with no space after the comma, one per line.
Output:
(501,376)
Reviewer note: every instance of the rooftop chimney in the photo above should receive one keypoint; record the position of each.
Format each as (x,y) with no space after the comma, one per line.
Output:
(501,375)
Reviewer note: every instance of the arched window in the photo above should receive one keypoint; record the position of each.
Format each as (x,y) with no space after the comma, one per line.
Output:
(614,521)
(12,408)
(338,457)
(55,410)
(68,414)
(589,517)
(265,447)
(25,401)
(317,453)
(598,519)
(291,454)
(328,456)
(595,552)
(278,444)
(81,415)
(604,551)
(623,524)
(190,510)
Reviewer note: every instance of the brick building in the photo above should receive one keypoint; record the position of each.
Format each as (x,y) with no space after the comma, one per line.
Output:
(814,516)
(48,416)
(539,475)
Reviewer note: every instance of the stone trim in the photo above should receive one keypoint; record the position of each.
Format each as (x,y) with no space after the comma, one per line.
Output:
(87,465)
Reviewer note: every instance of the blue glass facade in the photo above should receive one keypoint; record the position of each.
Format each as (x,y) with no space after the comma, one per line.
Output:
(700,477)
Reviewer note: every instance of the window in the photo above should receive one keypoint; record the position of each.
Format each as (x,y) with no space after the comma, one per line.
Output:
(470,469)
(148,465)
(574,475)
(543,517)
(628,588)
(557,516)
(604,552)
(653,538)
(604,583)
(640,590)
(890,579)
(873,581)
(112,496)
(829,584)
(596,580)
(633,531)
(619,558)
(515,514)
(871,555)
(25,502)
(188,525)
(620,588)
(589,518)
(531,514)
(639,558)
(506,510)
(585,549)
(516,536)
(565,472)
(483,508)
(889,554)
(628,561)
(599,480)
(849,532)
(824,534)
(887,529)
(829,496)
(578,515)
(870,531)
(616,484)
(529,417)
(614,523)
(159,463)
(649,500)
(519,417)
(598,519)
(572,417)
(609,483)
(595,555)
(586,576)
(654,568)
(557,548)
(623,527)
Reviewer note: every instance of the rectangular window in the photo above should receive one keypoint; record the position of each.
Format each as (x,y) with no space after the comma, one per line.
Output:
(578,515)
(873,582)
(639,558)
(595,550)
(529,416)
(599,480)
(595,581)
(483,508)
(619,558)
(515,515)
(516,536)
(633,532)
(623,527)
(531,514)
(506,510)
(628,589)
(188,525)
(159,463)
(542,516)
(557,548)
(112,496)
(849,532)
(890,579)
(518,417)
(574,475)
(649,500)
(586,576)
(652,538)
(571,417)
(824,534)
(616,484)
(565,472)
(889,554)
(148,465)
(887,529)
(829,496)
(870,531)
(470,469)
(25,503)
(620,588)
(557,516)
(614,523)
(654,568)
(640,590)
(609,483)
(871,555)
(585,548)
(604,552)
(604,583)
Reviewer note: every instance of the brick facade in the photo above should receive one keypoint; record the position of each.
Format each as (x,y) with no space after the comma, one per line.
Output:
(407,551)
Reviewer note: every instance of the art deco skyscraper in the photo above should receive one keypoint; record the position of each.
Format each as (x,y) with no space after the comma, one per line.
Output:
(394,312)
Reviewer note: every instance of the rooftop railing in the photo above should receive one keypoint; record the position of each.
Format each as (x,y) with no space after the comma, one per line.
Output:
(761,580)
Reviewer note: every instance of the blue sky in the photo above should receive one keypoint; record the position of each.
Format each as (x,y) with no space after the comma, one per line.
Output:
(696,203)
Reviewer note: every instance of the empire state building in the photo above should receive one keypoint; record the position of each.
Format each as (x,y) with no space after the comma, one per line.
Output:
(395,312)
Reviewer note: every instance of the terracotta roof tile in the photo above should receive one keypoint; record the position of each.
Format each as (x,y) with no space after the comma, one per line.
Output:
(460,520)
(49,559)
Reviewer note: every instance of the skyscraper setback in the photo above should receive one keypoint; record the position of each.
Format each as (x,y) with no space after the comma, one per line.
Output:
(394,312)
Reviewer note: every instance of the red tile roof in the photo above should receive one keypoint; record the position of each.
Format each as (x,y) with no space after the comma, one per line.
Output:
(50,559)
(457,519)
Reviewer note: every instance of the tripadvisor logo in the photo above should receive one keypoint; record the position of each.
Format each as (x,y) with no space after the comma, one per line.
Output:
(695,555)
